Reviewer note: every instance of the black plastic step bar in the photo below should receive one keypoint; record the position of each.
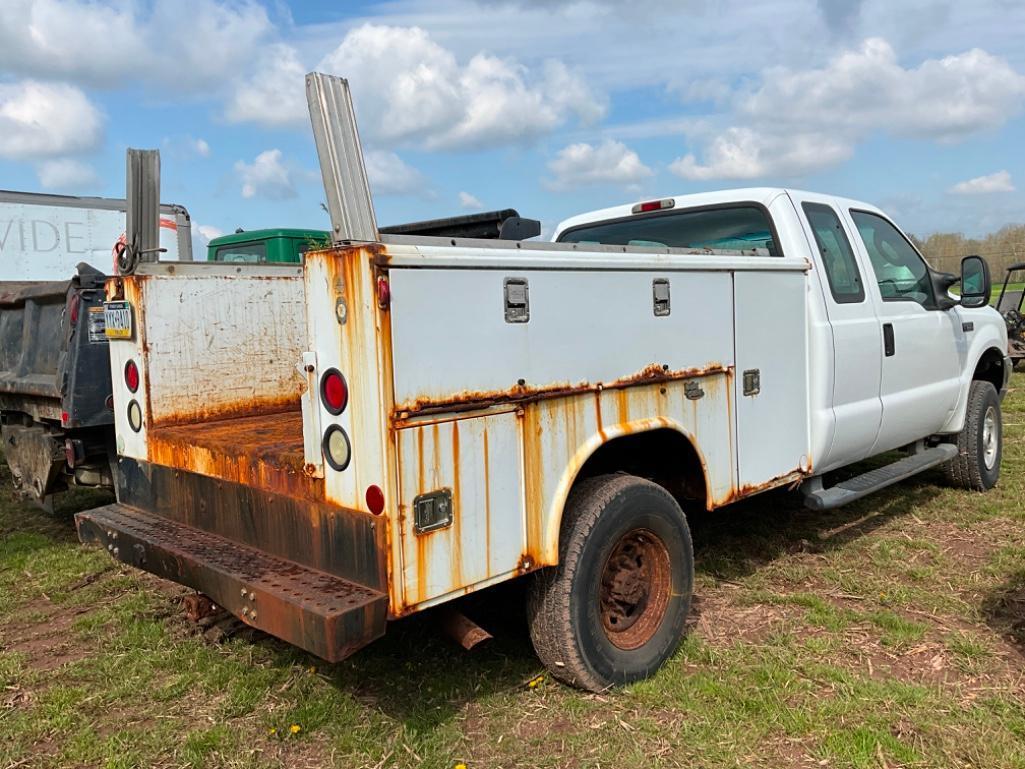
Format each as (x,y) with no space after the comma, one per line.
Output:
(818,498)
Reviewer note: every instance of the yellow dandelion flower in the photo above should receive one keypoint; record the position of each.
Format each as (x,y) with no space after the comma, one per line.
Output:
(273,730)
(295,728)
(535,682)
(460,765)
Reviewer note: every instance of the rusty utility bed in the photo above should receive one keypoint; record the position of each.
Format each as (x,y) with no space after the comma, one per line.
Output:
(320,612)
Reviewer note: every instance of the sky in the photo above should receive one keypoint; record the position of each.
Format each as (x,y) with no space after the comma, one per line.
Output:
(553,108)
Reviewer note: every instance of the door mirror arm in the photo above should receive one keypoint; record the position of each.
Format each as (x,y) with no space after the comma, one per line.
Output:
(941,285)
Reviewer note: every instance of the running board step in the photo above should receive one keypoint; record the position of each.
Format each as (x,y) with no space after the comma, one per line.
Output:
(316,611)
(818,498)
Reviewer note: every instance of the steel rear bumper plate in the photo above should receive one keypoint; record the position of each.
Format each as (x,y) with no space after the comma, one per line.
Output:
(319,612)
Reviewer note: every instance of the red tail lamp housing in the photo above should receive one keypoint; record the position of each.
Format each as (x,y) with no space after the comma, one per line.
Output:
(132,376)
(375,499)
(334,391)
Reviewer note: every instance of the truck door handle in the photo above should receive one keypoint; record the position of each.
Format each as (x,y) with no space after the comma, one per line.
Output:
(888,348)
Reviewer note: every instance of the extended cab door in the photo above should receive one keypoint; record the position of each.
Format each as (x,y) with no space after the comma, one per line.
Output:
(857,344)
(920,362)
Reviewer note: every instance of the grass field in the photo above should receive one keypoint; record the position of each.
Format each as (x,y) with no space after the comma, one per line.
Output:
(886,634)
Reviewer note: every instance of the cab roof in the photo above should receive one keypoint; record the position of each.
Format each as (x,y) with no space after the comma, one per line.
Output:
(761,195)
(248,236)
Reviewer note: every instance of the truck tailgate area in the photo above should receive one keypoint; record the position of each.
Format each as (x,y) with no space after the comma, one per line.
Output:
(264,451)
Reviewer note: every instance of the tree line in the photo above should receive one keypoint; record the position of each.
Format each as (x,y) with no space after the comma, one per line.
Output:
(1001,249)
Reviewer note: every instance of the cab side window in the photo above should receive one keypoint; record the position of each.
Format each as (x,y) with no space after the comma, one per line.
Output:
(837,255)
(900,271)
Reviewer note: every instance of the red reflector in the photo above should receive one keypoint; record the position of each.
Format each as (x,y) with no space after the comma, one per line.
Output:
(334,391)
(131,376)
(653,205)
(73,307)
(375,499)
(383,293)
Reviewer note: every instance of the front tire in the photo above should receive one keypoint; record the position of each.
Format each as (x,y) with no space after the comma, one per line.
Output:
(980,443)
(613,610)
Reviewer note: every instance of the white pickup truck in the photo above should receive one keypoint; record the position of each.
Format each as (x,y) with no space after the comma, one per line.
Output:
(399,421)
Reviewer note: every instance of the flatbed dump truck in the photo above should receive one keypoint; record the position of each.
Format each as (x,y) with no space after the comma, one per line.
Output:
(402,420)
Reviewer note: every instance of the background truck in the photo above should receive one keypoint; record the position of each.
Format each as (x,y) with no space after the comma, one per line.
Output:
(55,395)
(402,420)
(46,237)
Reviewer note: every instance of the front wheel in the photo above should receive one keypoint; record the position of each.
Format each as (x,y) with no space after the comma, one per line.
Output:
(613,610)
(980,443)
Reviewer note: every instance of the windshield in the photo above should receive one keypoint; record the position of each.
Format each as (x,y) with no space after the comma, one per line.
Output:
(729,229)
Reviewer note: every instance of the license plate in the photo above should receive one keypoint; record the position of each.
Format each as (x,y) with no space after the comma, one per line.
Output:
(117,317)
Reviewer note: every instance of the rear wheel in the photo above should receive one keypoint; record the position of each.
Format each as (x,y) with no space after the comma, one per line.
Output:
(980,443)
(613,610)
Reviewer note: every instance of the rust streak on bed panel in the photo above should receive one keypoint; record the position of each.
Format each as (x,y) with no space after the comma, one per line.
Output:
(535,504)
(467,400)
(792,477)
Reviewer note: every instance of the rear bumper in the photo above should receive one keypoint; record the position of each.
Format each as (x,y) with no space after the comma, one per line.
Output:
(310,573)
(316,611)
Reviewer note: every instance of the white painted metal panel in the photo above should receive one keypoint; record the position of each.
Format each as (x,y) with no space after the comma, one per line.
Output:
(450,334)
(46,242)
(771,337)
(478,459)
(219,342)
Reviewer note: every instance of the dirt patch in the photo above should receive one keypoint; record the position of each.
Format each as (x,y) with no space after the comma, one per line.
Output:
(46,640)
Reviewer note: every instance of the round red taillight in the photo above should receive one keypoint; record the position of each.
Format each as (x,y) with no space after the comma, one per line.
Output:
(132,376)
(375,499)
(334,391)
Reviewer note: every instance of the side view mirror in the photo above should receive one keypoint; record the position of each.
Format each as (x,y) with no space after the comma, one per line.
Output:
(976,286)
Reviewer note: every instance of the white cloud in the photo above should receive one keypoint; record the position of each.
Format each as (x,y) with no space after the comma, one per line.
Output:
(611,162)
(744,153)
(391,175)
(201,148)
(275,95)
(266,177)
(46,120)
(996,182)
(208,232)
(408,89)
(798,121)
(110,41)
(470,202)
(68,175)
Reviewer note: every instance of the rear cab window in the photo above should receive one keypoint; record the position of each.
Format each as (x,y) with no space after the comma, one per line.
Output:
(728,228)
(837,255)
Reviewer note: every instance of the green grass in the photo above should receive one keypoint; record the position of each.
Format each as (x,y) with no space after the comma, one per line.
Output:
(889,633)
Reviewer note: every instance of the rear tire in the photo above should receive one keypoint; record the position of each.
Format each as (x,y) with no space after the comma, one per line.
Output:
(613,610)
(980,443)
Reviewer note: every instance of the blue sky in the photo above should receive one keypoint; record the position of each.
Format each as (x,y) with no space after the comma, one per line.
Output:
(553,108)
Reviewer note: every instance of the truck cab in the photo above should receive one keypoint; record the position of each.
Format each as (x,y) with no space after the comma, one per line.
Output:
(267,246)
(892,353)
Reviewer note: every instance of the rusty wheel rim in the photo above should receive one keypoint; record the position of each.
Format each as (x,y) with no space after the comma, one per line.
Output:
(636,583)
